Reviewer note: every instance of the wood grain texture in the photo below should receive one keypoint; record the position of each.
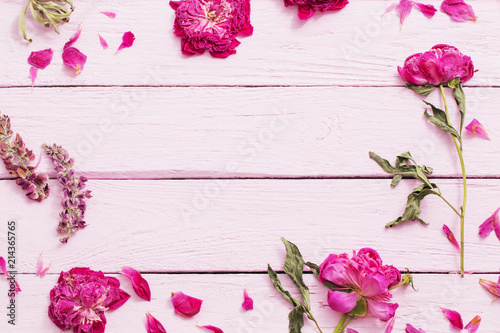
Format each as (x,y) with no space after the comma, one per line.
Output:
(223,295)
(236,225)
(246,132)
(351,47)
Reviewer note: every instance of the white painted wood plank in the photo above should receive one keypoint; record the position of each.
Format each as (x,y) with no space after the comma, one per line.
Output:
(222,296)
(351,47)
(246,132)
(236,225)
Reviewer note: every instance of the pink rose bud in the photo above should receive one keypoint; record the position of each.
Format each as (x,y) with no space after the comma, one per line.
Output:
(248,301)
(184,305)
(454,317)
(475,127)
(140,285)
(153,325)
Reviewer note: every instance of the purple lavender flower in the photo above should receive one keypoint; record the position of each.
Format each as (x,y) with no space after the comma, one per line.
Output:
(16,158)
(74,193)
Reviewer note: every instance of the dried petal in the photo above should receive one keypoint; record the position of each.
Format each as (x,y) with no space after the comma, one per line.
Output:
(450,236)
(404,7)
(74,38)
(411,329)
(492,222)
(40,271)
(140,285)
(428,10)
(72,57)
(475,127)
(473,325)
(127,41)
(153,325)
(184,305)
(458,10)
(41,59)
(111,15)
(104,44)
(492,287)
(33,75)
(454,317)
(248,301)
(390,326)
(3,267)
(212,328)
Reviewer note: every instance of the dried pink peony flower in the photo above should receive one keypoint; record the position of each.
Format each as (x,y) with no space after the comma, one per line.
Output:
(111,15)
(475,127)
(140,285)
(3,268)
(307,8)
(361,279)
(81,297)
(411,329)
(440,65)
(492,222)
(212,328)
(451,236)
(454,317)
(211,25)
(492,287)
(40,271)
(104,44)
(72,57)
(458,10)
(248,301)
(473,325)
(404,7)
(184,305)
(153,325)
(127,41)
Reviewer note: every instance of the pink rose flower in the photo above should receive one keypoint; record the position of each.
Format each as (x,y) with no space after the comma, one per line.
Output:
(211,25)
(441,64)
(81,297)
(360,278)
(307,8)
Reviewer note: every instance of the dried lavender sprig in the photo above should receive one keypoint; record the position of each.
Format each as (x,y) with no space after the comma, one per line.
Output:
(74,193)
(16,158)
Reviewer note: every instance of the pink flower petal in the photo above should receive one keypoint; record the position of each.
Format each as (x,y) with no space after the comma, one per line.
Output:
(390,326)
(475,127)
(403,10)
(428,10)
(74,38)
(342,302)
(212,328)
(33,75)
(140,285)
(41,59)
(458,10)
(473,325)
(381,310)
(305,12)
(104,44)
(350,330)
(40,271)
(153,325)
(127,41)
(111,15)
(491,223)
(184,305)
(492,287)
(3,267)
(72,57)
(454,317)
(450,236)
(248,301)
(411,329)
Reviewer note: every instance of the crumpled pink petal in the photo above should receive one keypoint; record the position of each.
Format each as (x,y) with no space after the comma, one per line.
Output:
(411,329)
(473,325)
(491,286)
(458,10)
(390,326)
(104,44)
(212,328)
(41,59)
(492,222)
(111,15)
(475,127)
(40,271)
(185,305)
(127,41)
(153,325)
(454,317)
(248,301)
(342,302)
(140,285)
(451,236)
(72,57)
(382,310)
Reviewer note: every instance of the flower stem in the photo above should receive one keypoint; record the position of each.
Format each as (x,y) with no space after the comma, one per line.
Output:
(340,327)
(464,182)
(310,315)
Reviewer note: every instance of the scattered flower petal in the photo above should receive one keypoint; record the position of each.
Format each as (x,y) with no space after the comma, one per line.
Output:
(40,271)
(350,330)
(127,41)
(140,285)
(33,75)
(458,10)
(185,305)
(111,15)
(212,328)
(450,236)
(307,8)
(492,287)
(473,325)
(404,7)
(74,38)
(41,59)
(104,44)
(72,57)
(411,329)
(475,127)
(492,222)
(153,325)
(248,301)
(454,317)
(3,267)
(390,326)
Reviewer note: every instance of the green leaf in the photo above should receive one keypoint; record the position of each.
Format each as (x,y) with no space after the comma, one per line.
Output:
(459,95)
(440,120)
(412,210)
(315,269)
(360,309)
(294,268)
(277,284)
(421,90)
(296,319)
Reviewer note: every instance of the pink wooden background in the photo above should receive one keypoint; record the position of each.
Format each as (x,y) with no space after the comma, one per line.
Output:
(198,165)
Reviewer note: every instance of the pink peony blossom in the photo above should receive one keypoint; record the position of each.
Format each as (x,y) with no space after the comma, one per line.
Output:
(211,25)
(127,41)
(153,325)
(473,325)
(140,285)
(212,328)
(451,236)
(454,317)
(492,222)
(307,8)
(458,10)
(360,278)
(81,297)
(72,57)
(248,301)
(440,65)
(404,7)
(185,305)
(475,127)
(411,329)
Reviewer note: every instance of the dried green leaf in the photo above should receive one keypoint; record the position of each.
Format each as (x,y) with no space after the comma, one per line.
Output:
(277,284)
(441,120)
(361,308)
(294,268)
(412,210)
(421,90)
(296,319)
(459,95)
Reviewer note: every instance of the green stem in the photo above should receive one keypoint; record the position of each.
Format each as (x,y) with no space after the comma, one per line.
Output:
(449,204)
(314,319)
(340,326)
(464,182)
